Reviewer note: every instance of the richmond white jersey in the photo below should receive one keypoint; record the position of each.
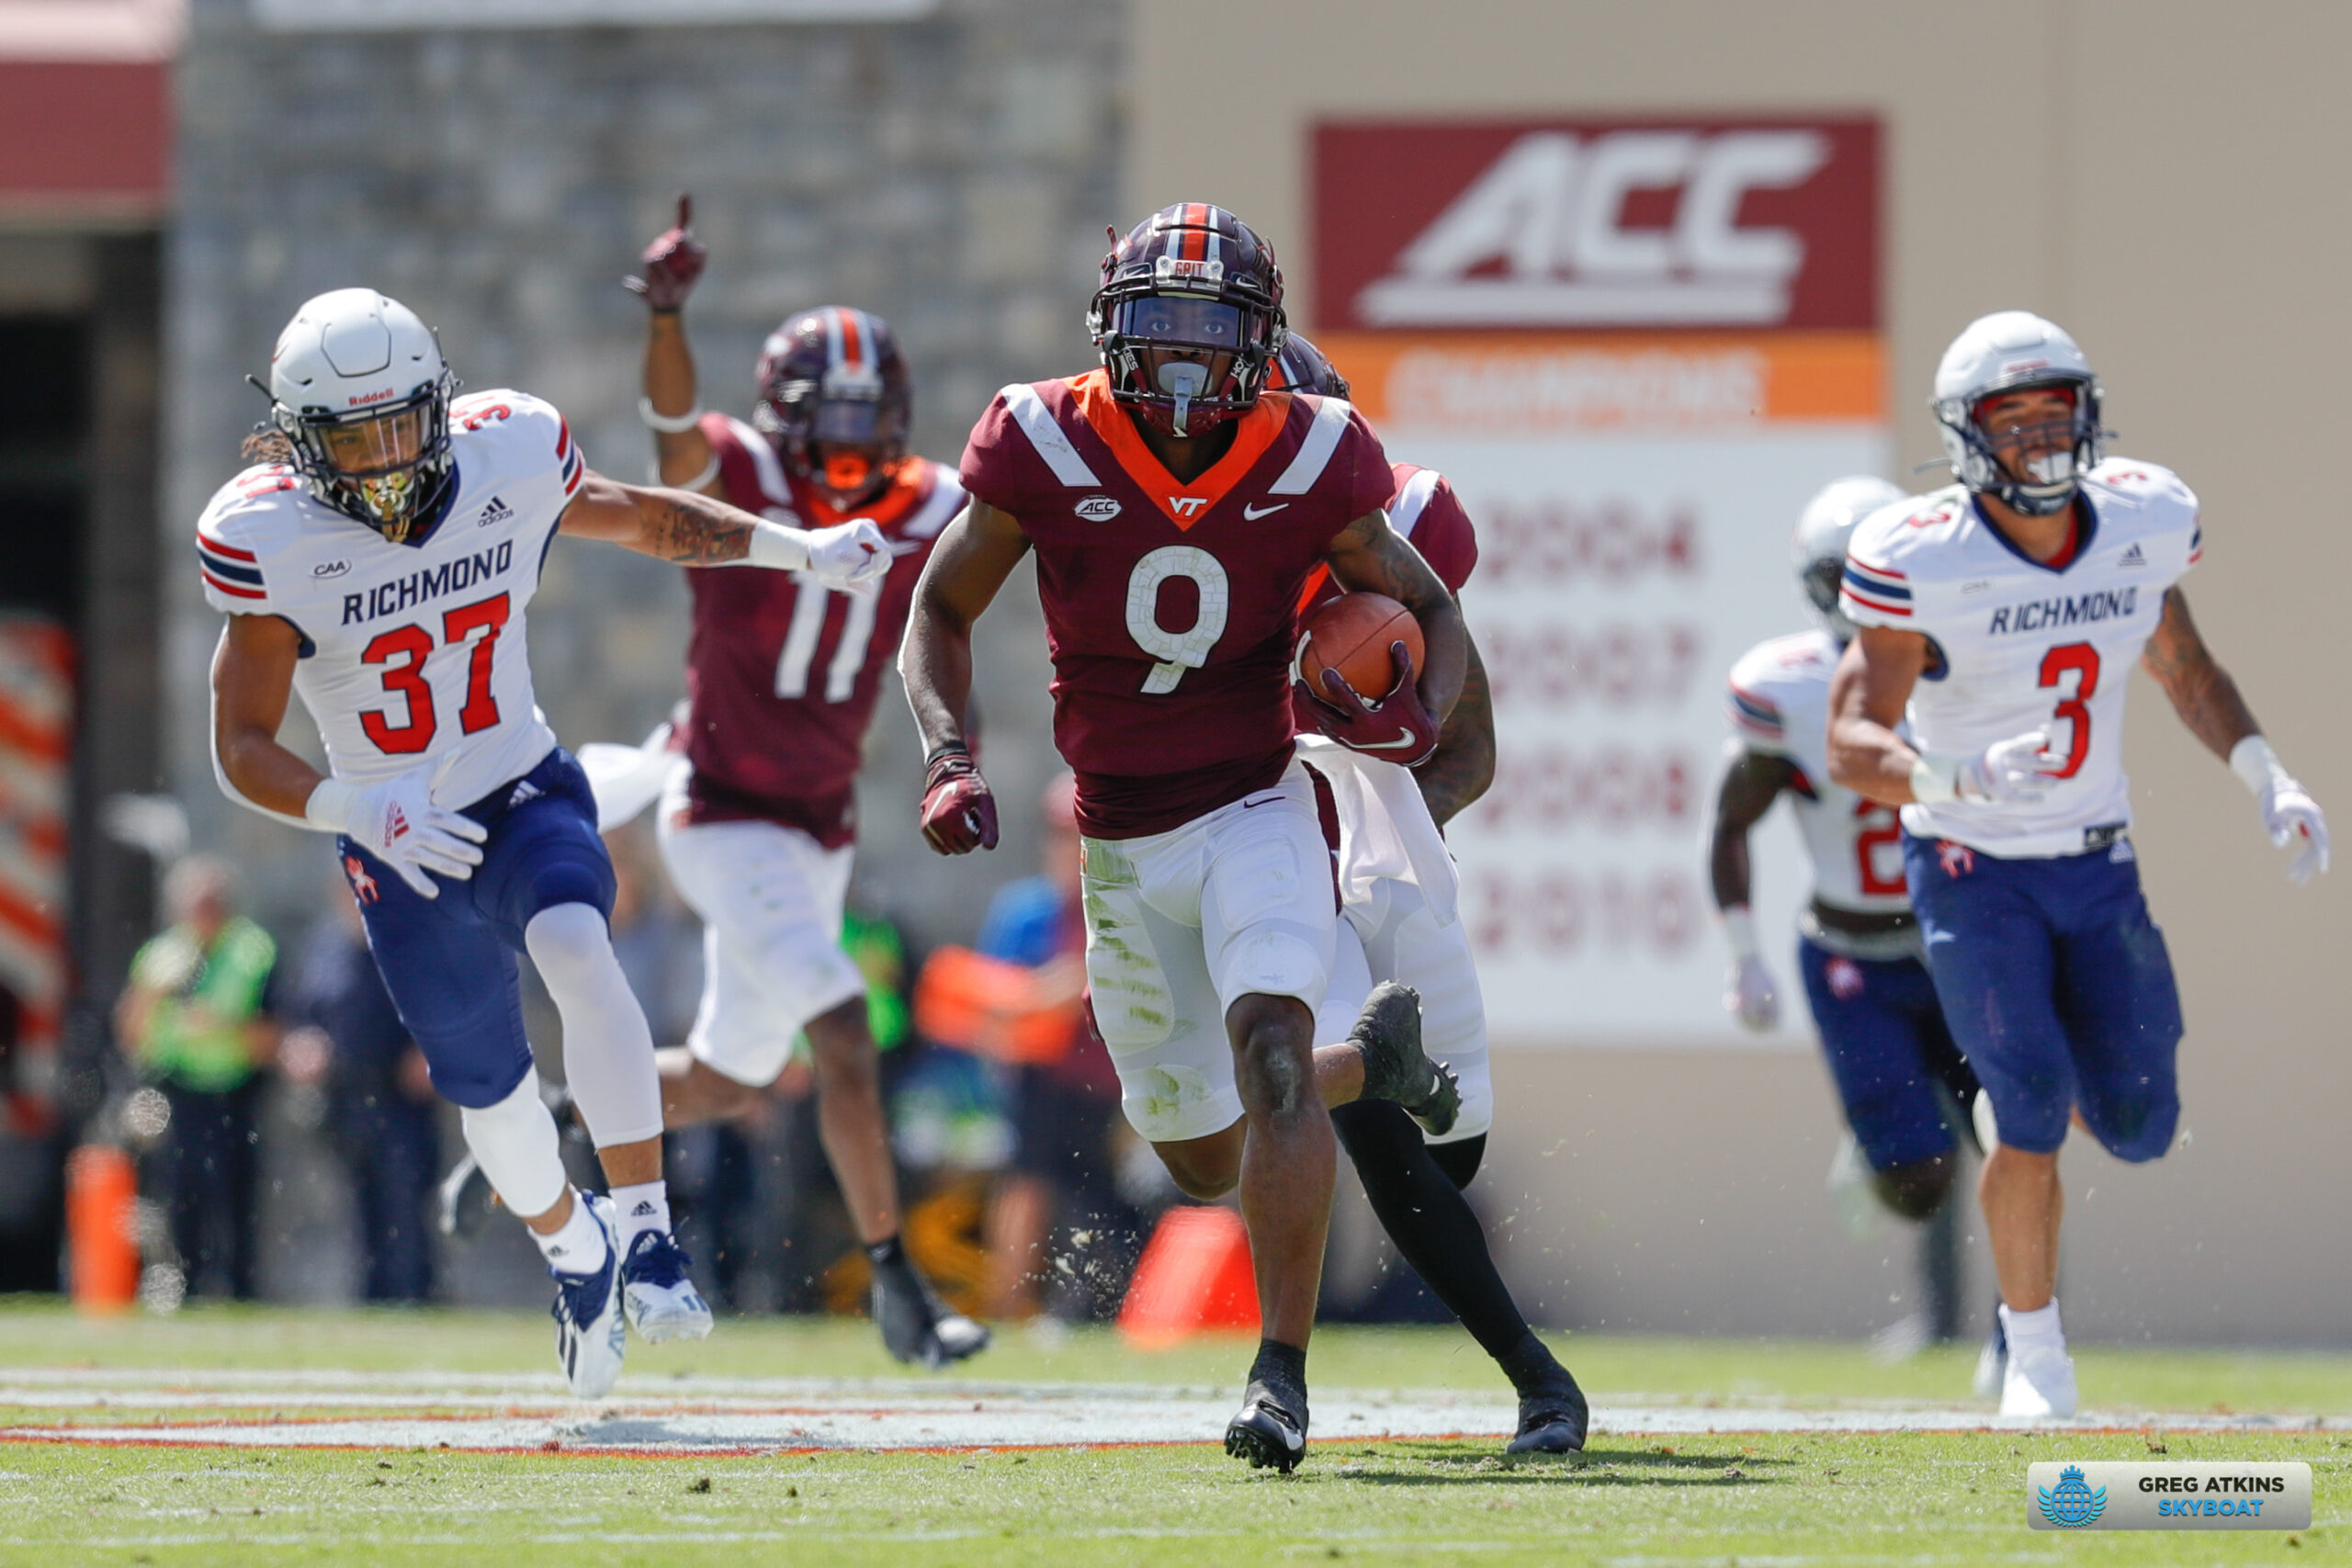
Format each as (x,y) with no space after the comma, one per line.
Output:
(412,655)
(2024,647)
(1778,705)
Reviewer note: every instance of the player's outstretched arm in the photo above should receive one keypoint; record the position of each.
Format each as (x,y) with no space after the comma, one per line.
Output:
(252,676)
(2207,702)
(975,553)
(686,529)
(1370,556)
(1867,696)
(1752,781)
(670,407)
(1463,766)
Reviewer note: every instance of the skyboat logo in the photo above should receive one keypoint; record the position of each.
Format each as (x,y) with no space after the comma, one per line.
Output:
(2072,1504)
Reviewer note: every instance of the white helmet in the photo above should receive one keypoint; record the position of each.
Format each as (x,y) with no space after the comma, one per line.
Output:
(2010,351)
(1817,549)
(358,385)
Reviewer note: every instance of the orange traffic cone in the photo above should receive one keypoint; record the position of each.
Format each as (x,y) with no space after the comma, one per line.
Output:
(1194,1278)
(101,1227)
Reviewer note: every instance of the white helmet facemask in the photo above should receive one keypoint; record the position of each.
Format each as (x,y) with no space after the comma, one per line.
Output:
(358,385)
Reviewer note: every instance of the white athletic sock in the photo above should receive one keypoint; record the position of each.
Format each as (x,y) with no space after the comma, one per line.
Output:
(2038,1327)
(640,1206)
(578,1246)
(514,1142)
(607,1048)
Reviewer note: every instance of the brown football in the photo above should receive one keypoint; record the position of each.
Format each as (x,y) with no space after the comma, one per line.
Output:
(1351,635)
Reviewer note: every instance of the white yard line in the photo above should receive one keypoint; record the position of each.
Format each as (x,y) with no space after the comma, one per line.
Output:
(689,1415)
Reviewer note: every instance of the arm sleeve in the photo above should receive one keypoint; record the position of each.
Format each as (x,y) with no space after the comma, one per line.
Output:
(226,559)
(1445,536)
(1757,721)
(1876,590)
(995,459)
(1362,466)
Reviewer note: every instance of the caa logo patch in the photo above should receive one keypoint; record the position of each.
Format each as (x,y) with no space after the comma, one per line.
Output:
(330,568)
(1097,508)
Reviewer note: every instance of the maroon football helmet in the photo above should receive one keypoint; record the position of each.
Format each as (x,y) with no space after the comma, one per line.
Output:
(1189,315)
(1303,367)
(835,400)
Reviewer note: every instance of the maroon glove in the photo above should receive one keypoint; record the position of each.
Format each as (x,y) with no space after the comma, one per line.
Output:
(1397,728)
(959,810)
(671,264)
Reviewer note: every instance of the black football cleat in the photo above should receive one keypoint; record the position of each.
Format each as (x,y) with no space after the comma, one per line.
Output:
(1551,1422)
(1270,1431)
(1388,1034)
(917,1326)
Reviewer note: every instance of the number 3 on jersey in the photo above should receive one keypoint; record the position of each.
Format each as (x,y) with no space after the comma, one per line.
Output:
(2083,660)
(1176,650)
(403,650)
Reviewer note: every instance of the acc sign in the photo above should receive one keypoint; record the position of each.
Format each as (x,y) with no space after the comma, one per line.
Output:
(1579,225)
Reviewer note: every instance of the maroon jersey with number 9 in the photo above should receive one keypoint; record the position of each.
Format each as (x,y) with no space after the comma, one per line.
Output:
(1171,608)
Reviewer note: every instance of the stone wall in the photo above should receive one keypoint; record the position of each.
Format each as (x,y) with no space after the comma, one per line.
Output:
(954,175)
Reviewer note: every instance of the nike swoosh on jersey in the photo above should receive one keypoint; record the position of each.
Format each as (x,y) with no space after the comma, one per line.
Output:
(1404,739)
(1254,512)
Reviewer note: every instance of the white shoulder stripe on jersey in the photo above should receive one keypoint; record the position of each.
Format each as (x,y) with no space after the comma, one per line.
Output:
(1028,411)
(1411,500)
(945,501)
(1322,440)
(763,463)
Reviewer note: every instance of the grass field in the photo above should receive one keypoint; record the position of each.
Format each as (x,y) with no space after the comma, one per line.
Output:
(1773,1484)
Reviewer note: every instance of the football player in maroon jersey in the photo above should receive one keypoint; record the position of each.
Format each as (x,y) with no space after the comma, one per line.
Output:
(756,825)
(1398,923)
(1177,508)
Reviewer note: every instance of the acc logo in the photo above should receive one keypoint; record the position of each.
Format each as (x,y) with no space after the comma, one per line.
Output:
(330,568)
(2073,1504)
(1097,508)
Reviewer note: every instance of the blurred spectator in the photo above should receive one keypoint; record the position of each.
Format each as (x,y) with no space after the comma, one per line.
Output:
(1023,1003)
(382,1113)
(197,1018)
(32,1158)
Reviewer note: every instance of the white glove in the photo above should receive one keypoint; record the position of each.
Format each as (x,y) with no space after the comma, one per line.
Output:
(849,554)
(2288,808)
(2007,772)
(1748,992)
(397,822)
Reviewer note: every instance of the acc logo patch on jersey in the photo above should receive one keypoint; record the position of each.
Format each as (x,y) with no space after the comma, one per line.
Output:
(1097,508)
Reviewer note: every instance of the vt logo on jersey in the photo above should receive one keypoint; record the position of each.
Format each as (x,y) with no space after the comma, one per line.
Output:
(450,577)
(1187,505)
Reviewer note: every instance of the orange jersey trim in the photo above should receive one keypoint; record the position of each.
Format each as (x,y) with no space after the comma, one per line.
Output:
(1312,586)
(1256,433)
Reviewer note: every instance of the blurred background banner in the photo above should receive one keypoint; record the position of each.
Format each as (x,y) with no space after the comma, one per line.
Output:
(1636,347)
(403,15)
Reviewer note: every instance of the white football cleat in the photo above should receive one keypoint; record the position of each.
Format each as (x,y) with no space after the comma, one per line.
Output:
(590,1334)
(661,1303)
(2039,1383)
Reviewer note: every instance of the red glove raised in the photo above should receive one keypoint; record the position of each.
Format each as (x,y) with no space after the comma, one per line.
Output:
(671,263)
(958,809)
(1397,728)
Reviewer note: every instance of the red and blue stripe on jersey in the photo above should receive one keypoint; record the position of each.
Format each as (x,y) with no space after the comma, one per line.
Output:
(569,454)
(230,570)
(1878,588)
(1758,717)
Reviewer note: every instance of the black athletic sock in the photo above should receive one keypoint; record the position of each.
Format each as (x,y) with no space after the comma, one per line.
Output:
(1431,1223)
(1280,1367)
(887,1253)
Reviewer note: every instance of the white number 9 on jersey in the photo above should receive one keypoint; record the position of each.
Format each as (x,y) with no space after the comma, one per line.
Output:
(1176,650)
